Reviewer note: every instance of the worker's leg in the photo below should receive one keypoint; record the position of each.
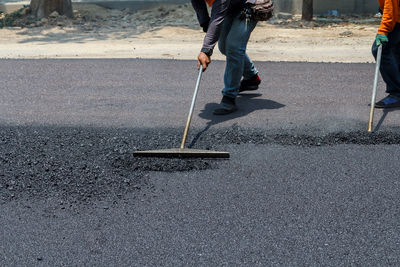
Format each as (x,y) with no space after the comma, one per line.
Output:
(224,33)
(249,69)
(390,69)
(390,65)
(236,58)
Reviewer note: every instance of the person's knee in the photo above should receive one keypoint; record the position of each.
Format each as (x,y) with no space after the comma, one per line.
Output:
(234,49)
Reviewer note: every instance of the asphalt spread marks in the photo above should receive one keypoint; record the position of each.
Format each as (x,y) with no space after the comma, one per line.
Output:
(80,164)
(85,164)
(237,135)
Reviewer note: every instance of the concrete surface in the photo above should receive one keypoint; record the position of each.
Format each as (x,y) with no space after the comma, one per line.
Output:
(322,6)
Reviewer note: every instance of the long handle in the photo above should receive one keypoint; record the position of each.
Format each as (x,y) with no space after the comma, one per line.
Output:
(185,133)
(378,64)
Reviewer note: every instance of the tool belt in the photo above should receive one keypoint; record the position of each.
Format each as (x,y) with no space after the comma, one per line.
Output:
(259,10)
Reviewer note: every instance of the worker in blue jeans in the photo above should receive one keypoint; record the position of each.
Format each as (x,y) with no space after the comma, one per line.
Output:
(232,32)
(389,37)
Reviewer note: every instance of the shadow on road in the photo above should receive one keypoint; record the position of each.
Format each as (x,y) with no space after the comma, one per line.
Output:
(247,104)
(382,119)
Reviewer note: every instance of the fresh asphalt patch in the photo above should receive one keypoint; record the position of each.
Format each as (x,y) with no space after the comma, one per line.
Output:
(84,164)
(80,164)
(305,184)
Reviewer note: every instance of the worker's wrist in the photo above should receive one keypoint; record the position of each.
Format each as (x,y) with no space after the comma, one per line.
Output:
(207,51)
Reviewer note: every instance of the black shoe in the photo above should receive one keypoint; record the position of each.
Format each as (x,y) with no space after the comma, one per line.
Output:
(227,106)
(250,84)
(391,101)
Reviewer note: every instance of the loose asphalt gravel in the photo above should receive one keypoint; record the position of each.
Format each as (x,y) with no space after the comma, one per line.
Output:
(314,189)
(88,164)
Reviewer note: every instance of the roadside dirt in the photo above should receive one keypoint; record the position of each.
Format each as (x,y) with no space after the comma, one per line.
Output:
(171,31)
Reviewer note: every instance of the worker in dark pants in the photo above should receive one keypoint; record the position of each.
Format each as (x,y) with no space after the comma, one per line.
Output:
(389,37)
(232,32)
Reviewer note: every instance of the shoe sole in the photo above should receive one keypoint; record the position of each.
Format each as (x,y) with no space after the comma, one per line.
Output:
(224,111)
(249,88)
(387,106)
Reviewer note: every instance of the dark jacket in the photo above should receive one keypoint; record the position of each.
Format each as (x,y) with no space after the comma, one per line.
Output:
(220,9)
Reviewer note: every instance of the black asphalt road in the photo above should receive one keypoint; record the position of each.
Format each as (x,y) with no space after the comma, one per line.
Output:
(305,185)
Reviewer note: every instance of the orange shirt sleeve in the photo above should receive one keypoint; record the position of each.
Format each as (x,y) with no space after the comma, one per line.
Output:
(390,10)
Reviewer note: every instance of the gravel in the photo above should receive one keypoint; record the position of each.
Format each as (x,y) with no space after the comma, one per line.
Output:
(83,164)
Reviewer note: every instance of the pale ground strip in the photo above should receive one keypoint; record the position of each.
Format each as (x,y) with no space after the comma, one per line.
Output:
(343,43)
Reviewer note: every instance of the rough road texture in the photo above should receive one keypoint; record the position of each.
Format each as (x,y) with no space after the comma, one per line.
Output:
(305,185)
(293,98)
(79,164)
(88,164)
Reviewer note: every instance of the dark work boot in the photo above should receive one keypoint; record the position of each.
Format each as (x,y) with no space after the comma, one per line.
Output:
(250,84)
(391,101)
(227,106)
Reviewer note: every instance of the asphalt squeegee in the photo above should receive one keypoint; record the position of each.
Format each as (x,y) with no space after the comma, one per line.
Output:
(183,152)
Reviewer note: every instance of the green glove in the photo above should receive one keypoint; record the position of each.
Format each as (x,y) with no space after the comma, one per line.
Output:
(381,39)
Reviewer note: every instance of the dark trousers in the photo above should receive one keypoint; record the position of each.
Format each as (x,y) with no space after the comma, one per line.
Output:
(390,65)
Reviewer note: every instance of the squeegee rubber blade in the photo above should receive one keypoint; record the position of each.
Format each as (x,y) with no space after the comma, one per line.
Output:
(181,153)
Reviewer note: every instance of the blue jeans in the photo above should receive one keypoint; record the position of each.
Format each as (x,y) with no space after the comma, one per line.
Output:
(232,43)
(390,65)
